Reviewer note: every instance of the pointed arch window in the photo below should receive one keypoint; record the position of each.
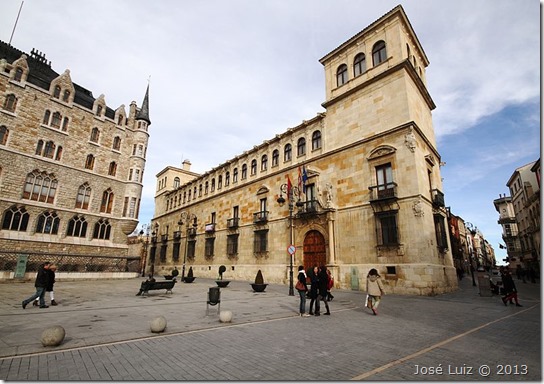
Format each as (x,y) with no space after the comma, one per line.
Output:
(359,64)
(56,92)
(15,219)
(95,135)
(56,120)
(40,187)
(341,75)
(46,117)
(107,201)
(89,162)
(48,223)
(112,170)
(49,150)
(10,104)
(66,96)
(65,124)
(83,196)
(39,147)
(379,54)
(117,143)
(102,230)
(18,74)
(99,110)
(4,132)
(77,227)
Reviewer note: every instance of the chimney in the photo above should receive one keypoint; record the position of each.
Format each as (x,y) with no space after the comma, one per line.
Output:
(186,165)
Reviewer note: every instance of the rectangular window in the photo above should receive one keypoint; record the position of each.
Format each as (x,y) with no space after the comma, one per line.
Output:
(175,252)
(163,253)
(191,246)
(387,233)
(232,244)
(440,229)
(260,242)
(208,247)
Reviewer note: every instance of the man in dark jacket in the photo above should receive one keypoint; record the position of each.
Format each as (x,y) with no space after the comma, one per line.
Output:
(42,279)
(323,287)
(510,291)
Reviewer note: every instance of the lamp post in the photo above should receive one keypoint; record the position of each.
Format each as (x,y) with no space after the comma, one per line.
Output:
(153,248)
(185,219)
(471,249)
(145,243)
(291,192)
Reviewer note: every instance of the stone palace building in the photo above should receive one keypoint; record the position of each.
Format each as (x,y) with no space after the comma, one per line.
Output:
(353,188)
(71,170)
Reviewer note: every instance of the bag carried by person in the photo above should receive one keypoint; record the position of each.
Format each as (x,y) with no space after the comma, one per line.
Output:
(300,287)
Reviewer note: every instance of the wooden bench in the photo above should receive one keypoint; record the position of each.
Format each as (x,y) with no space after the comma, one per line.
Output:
(157,285)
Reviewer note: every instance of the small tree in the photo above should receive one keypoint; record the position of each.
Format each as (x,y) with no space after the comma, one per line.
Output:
(222,269)
(259,278)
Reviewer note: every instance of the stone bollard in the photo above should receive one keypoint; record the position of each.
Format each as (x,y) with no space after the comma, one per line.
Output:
(158,324)
(225,316)
(53,336)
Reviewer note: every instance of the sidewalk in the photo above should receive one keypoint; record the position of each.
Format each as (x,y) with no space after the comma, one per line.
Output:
(108,335)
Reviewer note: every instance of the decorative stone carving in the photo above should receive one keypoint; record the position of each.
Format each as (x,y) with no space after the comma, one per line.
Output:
(418,209)
(382,150)
(410,140)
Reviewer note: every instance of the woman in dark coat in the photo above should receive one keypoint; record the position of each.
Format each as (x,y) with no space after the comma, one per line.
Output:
(314,291)
(510,290)
(323,278)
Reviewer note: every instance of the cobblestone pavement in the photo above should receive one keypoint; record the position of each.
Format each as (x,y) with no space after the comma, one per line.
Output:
(453,337)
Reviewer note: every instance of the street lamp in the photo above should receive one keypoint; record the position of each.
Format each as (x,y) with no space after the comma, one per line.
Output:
(153,248)
(291,192)
(145,243)
(185,219)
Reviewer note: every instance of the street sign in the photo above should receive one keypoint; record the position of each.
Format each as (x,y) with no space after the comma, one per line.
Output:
(291,250)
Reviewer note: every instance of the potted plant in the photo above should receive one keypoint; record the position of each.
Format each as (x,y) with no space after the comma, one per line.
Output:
(259,285)
(220,282)
(189,278)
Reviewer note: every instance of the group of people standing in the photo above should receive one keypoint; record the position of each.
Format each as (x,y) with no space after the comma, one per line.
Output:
(322,282)
(45,279)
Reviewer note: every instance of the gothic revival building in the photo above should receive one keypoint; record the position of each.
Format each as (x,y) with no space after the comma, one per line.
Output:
(353,188)
(71,169)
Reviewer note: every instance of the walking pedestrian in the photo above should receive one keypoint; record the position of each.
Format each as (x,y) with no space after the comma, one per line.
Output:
(40,284)
(510,291)
(49,288)
(302,288)
(323,279)
(330,285)
(374,289)
(314,291)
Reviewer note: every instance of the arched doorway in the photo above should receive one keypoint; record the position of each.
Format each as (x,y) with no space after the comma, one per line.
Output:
(314,250)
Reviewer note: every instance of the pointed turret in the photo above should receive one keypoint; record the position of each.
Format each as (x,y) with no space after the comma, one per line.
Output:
(143,113)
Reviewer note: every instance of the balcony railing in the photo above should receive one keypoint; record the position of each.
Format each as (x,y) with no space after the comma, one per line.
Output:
(438,198)
(383,192)
(308,207)
(233,222)
(191,232)
(209,228)
(177,235)
(164,238)
(260,217)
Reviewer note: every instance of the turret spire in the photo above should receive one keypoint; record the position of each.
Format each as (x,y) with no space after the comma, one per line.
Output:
(143,113)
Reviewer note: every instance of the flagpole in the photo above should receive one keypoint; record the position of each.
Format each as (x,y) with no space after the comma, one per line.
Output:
(14,26)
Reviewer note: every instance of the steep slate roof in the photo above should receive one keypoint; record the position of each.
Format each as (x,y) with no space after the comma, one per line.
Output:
(143,113)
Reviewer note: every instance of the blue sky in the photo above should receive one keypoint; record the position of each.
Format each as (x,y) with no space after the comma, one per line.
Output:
(227,74)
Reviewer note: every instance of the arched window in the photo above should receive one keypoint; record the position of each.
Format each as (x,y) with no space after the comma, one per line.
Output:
(316,140)
(117,143)
(15,219)
(59,153)
(287,152)
(48,223)
(235,175)
(301,146)
(66,96)
(341,75)
(206,188)
(10,104)
(176,182)
(244,171)
(18,74)
(120,120)
(102,230)
(49,151)
(95,135)
(212,188)
(89,162)
(77,227)
(227,178)
(39,147)
(220,182)
(46,117)
(253,167)
(275,158)
(264,163)
(55,121)
(65,124)
(379,53)
(83,196)
(200,190)
(107,201)
(4,132)
(359,64)
(112,169)
(56,92)
(40,187)
(99,110)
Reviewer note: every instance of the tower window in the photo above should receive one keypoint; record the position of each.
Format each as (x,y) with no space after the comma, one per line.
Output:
(379,54)
(341,75)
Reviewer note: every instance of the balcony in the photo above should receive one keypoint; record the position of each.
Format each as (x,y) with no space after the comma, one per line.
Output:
(164,238)
(209,228)
(438,198)
(260,217)
(191,232)
(233,222)
(383,192)
(307,208)
(177,235)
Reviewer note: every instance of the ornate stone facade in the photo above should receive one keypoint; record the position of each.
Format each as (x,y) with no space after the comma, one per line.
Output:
(364,181)
(70,167)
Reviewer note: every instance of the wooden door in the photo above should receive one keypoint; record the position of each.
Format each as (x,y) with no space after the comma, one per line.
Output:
(314,250)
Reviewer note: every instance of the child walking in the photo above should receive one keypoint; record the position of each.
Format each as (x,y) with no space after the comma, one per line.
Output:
(374,289)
